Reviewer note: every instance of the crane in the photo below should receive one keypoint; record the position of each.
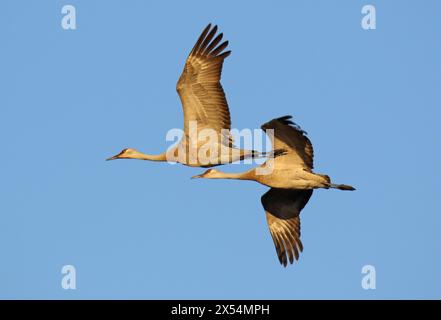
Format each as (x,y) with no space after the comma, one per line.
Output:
(205,107)
(291,181)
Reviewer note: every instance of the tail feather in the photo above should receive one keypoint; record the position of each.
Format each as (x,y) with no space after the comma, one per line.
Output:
(342,187)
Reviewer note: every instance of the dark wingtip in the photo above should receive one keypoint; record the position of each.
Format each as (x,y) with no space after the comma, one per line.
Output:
(200,40)
(224,55)
(219,48)
(285,120)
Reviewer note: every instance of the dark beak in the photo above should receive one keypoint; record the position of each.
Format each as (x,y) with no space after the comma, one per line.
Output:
(113,158)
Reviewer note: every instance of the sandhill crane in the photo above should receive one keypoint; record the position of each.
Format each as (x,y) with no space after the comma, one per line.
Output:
(204,103)
(292,182)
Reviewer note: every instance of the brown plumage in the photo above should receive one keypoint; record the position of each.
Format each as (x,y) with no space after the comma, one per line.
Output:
(203,103)
(292,182)
(202,96)
(290,137)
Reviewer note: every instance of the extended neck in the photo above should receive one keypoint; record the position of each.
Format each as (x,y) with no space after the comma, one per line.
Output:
(247,175)
(149,157)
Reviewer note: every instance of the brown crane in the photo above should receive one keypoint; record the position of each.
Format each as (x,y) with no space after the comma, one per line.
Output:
(204,105)
(292,182)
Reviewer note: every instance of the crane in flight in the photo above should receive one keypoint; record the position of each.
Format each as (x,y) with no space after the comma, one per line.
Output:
(205,106)
(292,182)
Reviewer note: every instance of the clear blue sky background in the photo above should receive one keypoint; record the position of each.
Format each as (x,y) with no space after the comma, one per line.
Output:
(370,101)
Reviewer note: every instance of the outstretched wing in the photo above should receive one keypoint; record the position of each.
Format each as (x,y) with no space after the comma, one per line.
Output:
(203,99)
(290,137)
(282,207)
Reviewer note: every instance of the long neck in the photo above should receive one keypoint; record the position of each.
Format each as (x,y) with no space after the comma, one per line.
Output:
(247,175)
(150,157)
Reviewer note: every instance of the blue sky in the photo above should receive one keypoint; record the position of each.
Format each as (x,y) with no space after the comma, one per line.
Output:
(370,101)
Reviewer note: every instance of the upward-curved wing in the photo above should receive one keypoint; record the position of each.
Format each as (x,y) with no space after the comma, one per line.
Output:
(293,140)
(282,207)
(203,99)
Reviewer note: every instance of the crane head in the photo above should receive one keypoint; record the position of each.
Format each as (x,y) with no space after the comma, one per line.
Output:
(127,153)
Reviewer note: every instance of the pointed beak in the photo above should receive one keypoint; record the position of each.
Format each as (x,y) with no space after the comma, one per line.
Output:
(197,176)
(112,158)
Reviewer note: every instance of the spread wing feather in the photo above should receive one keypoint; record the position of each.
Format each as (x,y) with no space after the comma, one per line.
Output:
(282,207)
(202,96)
(293,140)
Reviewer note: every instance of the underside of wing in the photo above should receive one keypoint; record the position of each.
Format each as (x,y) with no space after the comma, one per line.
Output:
(202,96)
(282,207)
(290,137)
